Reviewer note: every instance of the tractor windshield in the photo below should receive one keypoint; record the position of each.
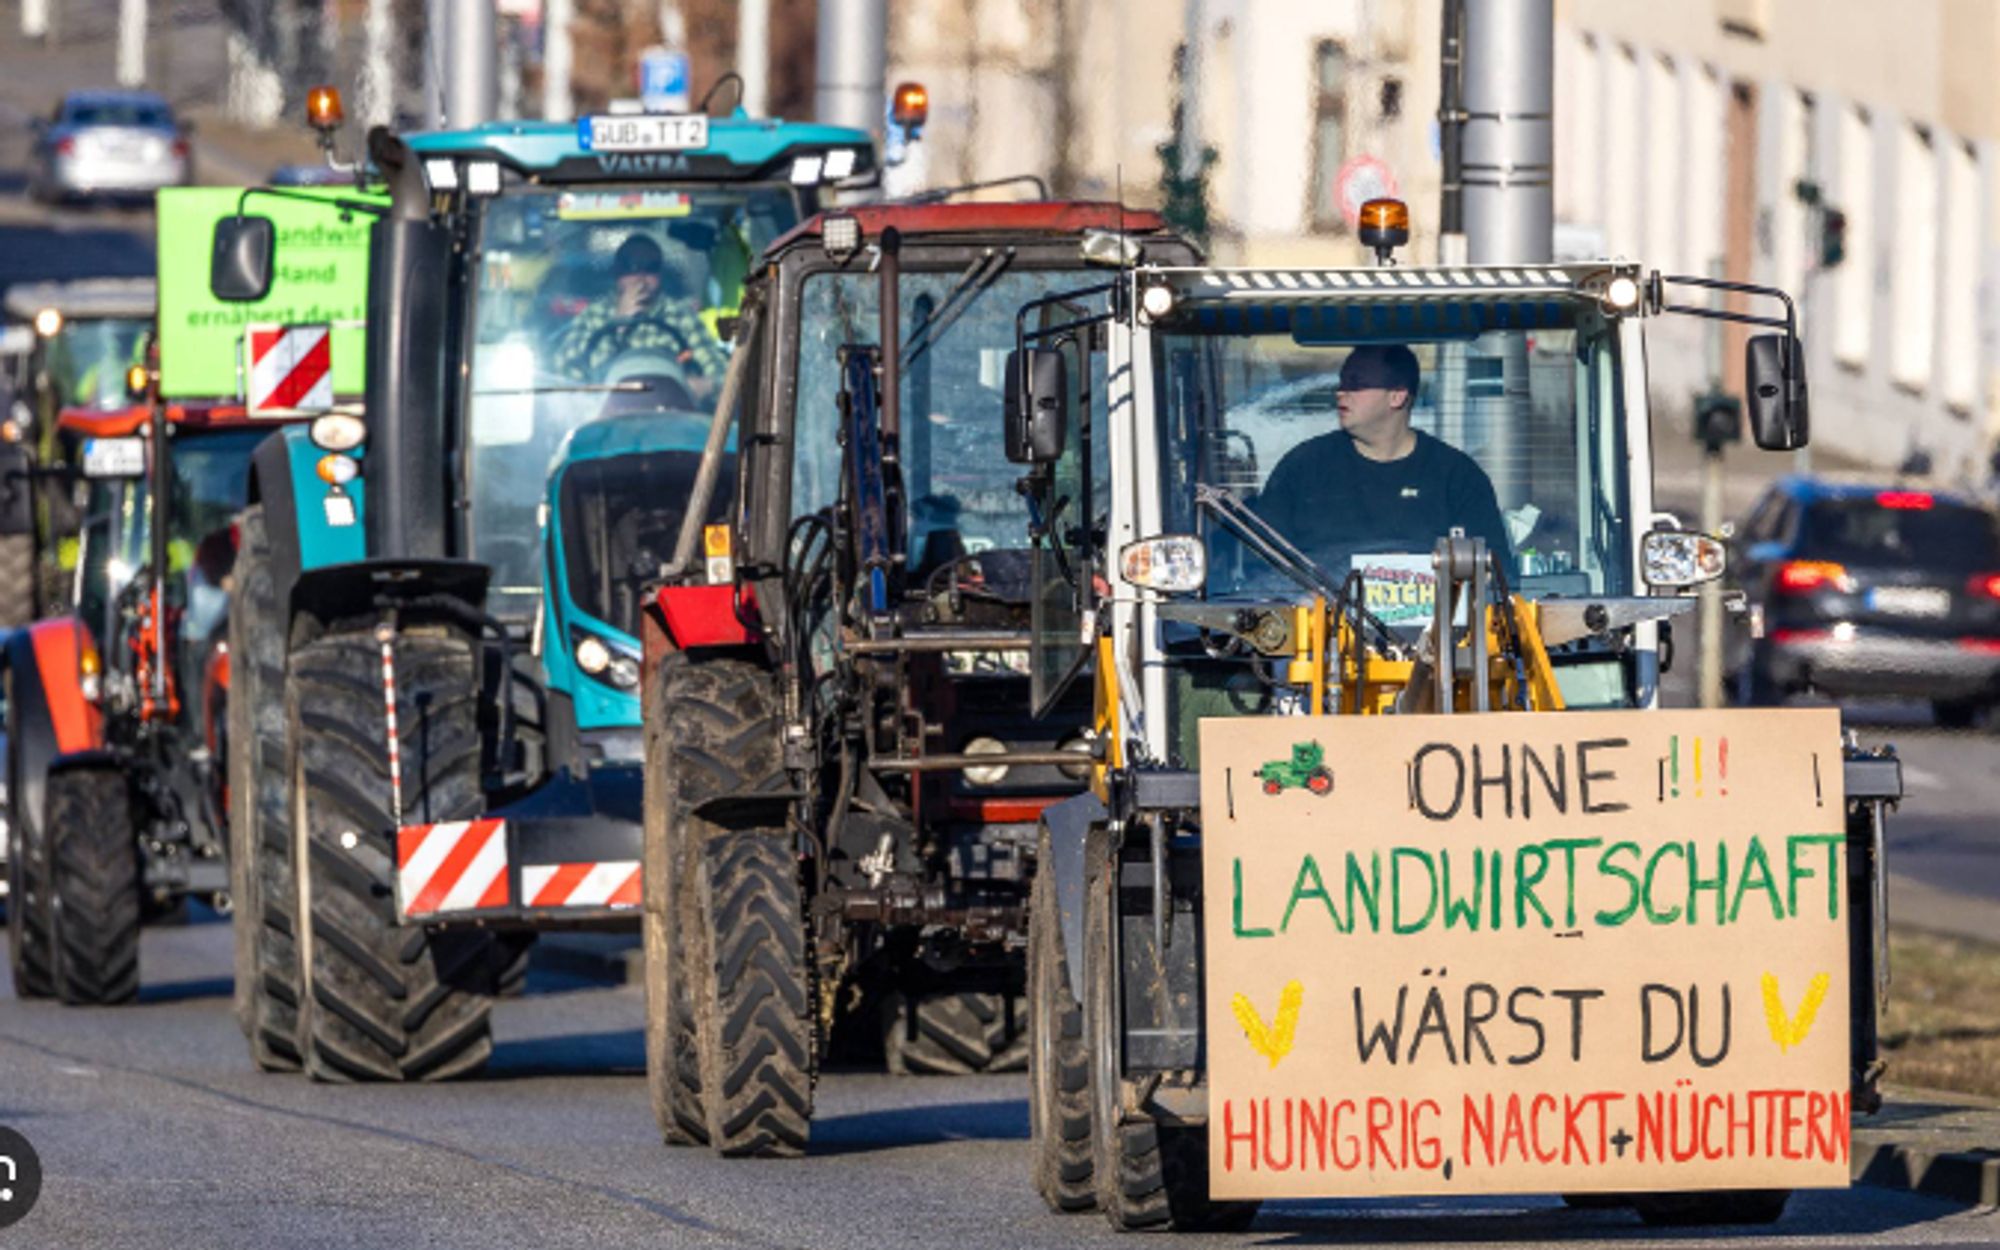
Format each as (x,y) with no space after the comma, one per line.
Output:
(960,485)
(1362,450)
(211,479)
(620,516)
(87,360)
(590,303)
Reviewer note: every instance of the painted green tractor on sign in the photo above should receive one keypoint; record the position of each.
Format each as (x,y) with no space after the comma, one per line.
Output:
(1306,768)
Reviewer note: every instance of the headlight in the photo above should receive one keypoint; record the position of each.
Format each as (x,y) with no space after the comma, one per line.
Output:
(337,431)
(607,663)
(1175,564)
(986,774)
(1670,559)
(593,657)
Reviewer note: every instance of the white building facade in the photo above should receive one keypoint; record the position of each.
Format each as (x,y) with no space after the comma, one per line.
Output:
(1695,135)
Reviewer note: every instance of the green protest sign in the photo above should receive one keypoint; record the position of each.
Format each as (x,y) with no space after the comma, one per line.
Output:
(319,276)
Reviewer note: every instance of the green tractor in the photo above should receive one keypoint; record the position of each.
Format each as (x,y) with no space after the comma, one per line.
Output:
(1306,768)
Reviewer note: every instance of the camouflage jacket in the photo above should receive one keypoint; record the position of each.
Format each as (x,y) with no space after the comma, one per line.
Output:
(598,335)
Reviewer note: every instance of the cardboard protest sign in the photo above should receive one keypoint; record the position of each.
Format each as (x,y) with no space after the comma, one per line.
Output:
(1525,953)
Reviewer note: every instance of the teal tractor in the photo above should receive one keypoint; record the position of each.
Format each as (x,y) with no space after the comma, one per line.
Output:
(440,763)
(1305,770)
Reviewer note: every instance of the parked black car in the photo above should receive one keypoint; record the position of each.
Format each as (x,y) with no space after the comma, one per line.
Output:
(1871,590)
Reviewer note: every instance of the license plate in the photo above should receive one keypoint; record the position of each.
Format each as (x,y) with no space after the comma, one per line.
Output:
(1910,600)
(645,132)
(114,457)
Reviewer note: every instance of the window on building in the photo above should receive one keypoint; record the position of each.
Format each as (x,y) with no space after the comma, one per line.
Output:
(1913,276)
(1854,280)
(1702,200)
(1579,107)
(1329,132)
(1958,331)
(1664,158)
(1792,220)
(1624,154)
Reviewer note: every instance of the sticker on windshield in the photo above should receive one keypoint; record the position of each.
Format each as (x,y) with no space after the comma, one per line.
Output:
(621,205)
(1401,587)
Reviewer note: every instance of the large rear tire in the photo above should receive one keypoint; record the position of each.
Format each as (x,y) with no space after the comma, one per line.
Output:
(262,885)
(96,887)
(752,993)
(1059,1095)
(1148,1175)
(31,939)
(385,1001)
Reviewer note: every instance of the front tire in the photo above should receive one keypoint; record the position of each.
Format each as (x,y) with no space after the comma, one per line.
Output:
(1060,1116)
(1712,1207)
(1148,1175)
(262,883)
(96,888)
(31,939)
(954,1033)
(385,1001)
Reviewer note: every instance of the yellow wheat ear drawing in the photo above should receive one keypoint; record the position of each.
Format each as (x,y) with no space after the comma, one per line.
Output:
(1789,1031)
(1275,1042)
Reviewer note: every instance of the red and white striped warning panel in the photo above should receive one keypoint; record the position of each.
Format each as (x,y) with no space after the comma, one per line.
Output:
(290,368)
(457,866)
(612,883)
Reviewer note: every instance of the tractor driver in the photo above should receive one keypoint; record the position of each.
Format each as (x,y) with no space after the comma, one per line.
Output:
(639,314)
(1375,485)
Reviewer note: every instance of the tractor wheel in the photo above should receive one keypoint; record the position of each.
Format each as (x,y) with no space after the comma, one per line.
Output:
(31,942)
(960,1033)
(711,730)
(746,961)
(17,580)
(385,1002)
(1148,1175)
(1059,1098)
(1273,787)
(1712,1207)
(263,888)
(96,887)
(1320,781)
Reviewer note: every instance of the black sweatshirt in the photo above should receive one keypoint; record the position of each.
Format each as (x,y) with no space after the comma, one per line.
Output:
(1334,503)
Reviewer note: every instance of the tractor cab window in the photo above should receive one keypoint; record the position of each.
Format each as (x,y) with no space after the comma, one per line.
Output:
(87,361)
(592,302)
(956,476)
(1517,439)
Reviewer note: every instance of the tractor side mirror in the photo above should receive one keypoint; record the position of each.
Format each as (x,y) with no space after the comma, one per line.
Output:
(1775,366)
(1037,405)
(239,267)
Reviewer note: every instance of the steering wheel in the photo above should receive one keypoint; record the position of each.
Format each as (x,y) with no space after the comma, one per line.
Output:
(623,329)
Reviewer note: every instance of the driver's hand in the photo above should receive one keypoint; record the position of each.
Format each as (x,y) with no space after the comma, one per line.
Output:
(631,299)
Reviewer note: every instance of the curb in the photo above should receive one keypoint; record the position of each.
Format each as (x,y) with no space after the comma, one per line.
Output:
(611,959)
(1971,1177)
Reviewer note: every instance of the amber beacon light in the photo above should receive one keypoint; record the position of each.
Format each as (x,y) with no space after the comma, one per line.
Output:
(323,108)
(911,107)
(1384,226)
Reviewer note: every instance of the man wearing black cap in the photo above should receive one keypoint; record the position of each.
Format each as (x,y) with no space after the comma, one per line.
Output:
(637,315)
(1375,485)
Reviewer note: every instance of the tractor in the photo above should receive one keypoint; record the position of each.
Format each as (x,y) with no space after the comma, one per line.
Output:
(440,762)
(118,706)
(1210,624)
(843,769)
(1306,769)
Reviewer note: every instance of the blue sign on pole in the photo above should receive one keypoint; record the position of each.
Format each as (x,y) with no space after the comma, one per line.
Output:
(663,80)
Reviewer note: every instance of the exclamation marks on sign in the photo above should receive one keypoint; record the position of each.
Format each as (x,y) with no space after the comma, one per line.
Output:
(1672,766)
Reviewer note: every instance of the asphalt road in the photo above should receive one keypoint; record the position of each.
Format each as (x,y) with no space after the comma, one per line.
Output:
(154,1131)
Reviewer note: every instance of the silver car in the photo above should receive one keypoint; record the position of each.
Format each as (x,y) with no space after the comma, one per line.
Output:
(112,143)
